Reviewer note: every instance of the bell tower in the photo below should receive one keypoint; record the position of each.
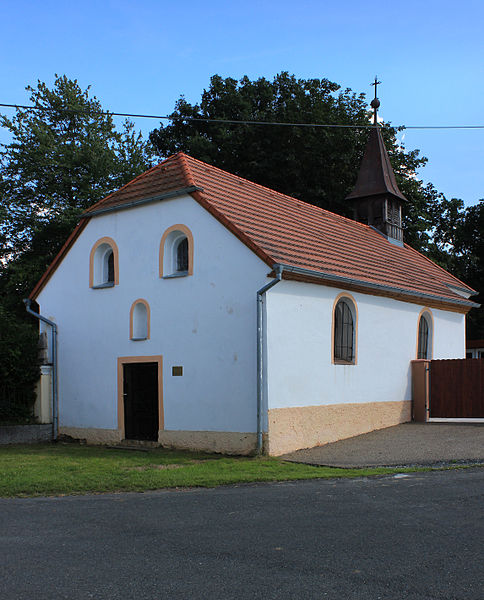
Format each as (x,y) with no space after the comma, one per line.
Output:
(376,199)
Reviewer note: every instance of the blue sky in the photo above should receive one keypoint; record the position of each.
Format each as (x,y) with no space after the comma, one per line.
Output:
(140,57)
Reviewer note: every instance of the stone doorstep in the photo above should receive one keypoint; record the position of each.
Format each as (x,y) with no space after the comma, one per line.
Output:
(142,445)
(136,444)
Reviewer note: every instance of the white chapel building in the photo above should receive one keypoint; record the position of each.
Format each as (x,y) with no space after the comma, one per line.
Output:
(200,310)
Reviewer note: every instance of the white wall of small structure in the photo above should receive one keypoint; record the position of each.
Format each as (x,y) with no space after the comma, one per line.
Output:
(205,322)
(300,371)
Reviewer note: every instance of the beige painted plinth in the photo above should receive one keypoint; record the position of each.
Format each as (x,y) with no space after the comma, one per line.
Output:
(92,435)
(307,426)
(226,442)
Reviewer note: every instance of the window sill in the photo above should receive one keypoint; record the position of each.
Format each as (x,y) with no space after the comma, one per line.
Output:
(173,275)
(344,362)
(141,339)
(101,286)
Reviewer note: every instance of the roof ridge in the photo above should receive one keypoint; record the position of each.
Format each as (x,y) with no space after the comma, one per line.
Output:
(185,168)
(268,189)
(271,190)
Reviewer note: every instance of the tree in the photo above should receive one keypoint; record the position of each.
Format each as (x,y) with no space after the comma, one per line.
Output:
(469,245)
(19,370)
(63,157)
(318,165)
(457,244)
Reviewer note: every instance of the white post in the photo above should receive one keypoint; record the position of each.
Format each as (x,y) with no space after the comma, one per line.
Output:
(43,390)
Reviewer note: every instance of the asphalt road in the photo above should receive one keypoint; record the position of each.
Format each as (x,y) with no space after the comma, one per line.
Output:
(417,536)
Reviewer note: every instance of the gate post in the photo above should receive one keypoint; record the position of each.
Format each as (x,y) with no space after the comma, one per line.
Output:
(43,392)
(420,390)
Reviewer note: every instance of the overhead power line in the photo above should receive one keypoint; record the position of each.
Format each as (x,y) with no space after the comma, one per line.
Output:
(241,121)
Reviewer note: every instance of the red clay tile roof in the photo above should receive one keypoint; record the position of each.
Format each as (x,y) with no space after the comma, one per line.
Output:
(287,231)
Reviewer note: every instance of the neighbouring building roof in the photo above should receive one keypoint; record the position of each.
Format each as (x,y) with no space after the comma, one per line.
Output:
(470,344)
(313,244)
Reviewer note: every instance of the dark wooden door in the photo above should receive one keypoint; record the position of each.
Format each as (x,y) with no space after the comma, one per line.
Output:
(457,388)
(140,389)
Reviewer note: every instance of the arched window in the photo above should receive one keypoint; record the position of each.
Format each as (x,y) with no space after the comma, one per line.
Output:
(424,339)
(139,320)
(103,264)
(182,255)
(344,331)
(176,252)
(110,267)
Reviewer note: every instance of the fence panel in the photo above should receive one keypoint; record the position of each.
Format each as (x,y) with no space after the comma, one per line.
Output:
(457,388)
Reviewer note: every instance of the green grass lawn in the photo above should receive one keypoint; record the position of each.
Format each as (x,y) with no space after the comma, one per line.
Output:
(58,469)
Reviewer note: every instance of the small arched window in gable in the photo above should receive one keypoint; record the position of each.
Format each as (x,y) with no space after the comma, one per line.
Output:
(344,331)
(176,252)
(110,267)
(103,264)
(424,341)
(182,255)
(139,320)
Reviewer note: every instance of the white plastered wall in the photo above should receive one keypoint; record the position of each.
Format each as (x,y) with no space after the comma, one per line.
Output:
(205,322)
(299,344)
(310,400)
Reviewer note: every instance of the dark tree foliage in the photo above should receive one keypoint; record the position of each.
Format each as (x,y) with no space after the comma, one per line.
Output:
(469,244)
(63,157)
(318,165)
(19,370)
(457,244)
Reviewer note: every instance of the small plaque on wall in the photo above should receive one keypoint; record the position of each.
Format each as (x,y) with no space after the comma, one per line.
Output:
(177,371)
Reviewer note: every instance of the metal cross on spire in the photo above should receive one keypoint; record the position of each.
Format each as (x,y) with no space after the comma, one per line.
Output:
(375,103)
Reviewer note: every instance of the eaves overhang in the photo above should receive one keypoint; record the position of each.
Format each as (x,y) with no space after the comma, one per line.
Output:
(460,291)
(294,272)
(158,197)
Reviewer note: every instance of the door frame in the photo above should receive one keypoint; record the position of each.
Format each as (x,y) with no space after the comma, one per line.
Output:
(123,360)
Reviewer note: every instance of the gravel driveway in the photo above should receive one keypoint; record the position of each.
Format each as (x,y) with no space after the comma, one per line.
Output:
(406,444)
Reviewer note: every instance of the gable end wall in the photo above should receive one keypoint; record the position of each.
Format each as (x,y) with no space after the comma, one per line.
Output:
(205,322)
